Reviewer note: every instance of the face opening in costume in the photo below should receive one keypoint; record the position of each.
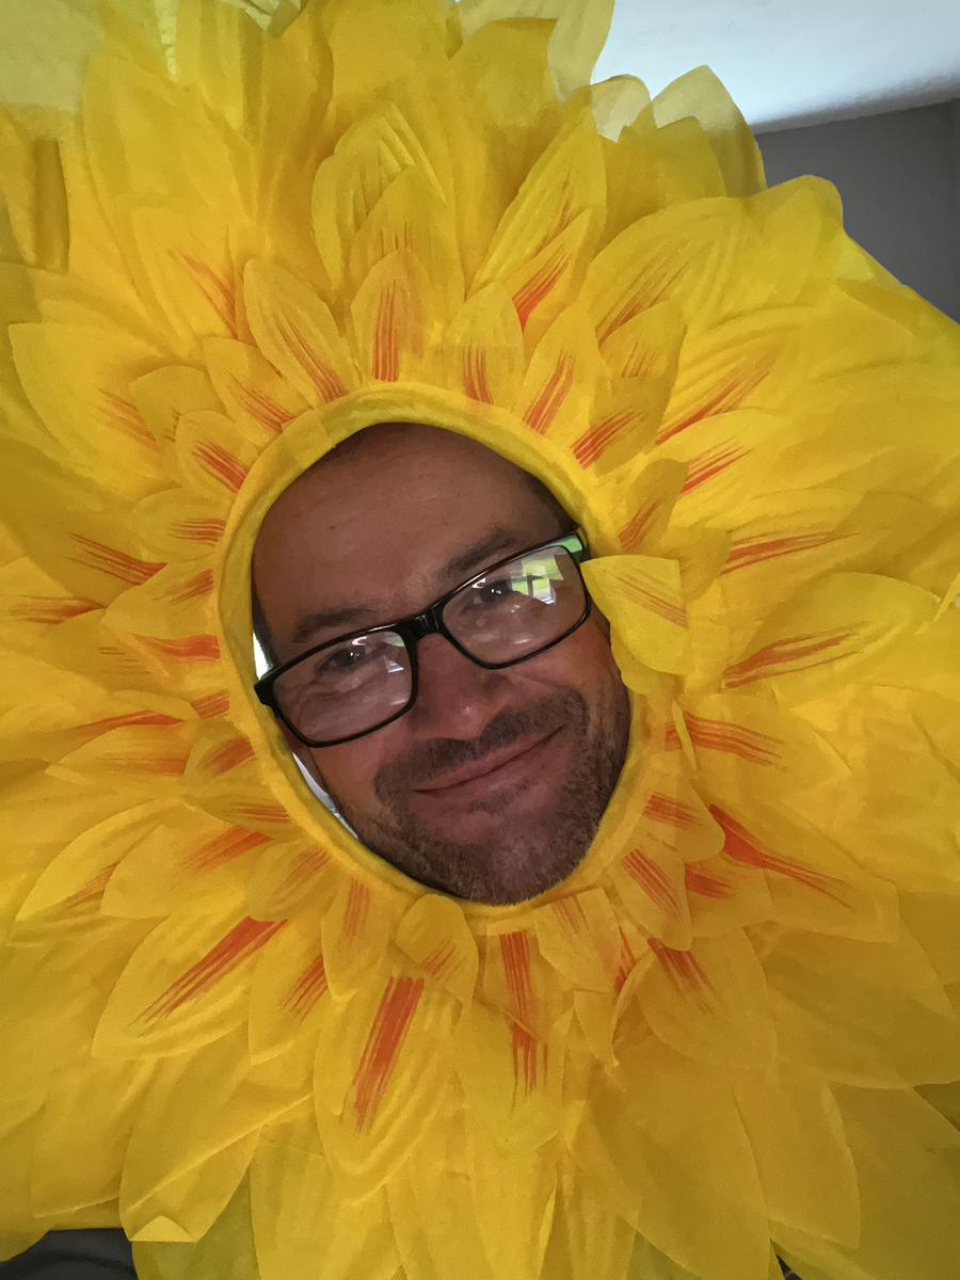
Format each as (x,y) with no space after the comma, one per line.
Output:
(490,784)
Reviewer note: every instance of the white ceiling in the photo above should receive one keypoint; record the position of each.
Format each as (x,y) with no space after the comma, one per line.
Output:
(795,61)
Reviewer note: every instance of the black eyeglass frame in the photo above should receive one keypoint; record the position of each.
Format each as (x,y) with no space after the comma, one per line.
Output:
(429,622)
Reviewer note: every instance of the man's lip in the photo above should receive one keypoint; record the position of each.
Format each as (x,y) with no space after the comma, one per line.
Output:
(485,766)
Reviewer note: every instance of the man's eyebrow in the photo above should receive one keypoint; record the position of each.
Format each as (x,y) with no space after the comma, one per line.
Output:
(473,557)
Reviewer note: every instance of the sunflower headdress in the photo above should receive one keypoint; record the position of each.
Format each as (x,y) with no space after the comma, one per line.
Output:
(236,238)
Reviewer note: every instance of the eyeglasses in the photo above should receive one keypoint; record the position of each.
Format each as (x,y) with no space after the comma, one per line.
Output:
(515,609)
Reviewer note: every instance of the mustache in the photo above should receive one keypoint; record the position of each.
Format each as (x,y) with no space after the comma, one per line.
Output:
(420,766)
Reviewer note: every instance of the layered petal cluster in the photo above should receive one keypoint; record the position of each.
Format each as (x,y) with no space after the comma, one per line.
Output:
(232,236)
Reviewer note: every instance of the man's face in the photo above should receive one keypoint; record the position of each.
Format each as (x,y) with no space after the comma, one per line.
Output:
(374,532)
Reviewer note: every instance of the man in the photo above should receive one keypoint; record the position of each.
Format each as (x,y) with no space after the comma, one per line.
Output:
(394,518)
(491,784)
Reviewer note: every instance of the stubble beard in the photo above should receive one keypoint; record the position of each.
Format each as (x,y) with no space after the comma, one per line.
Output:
(523,862)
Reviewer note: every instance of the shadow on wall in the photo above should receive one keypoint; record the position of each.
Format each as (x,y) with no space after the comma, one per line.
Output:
(899,176)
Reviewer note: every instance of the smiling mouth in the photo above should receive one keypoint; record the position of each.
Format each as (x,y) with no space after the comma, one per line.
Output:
(486,767)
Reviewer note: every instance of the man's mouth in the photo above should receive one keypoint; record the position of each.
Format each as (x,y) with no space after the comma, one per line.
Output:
(499,769)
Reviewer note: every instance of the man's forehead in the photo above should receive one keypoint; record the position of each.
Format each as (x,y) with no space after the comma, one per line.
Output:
(386,525)
(410,483)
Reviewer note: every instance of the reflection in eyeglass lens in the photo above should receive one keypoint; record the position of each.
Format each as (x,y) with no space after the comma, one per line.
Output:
(357,683)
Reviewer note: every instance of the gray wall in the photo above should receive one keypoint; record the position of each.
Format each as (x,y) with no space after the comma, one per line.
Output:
(899,176)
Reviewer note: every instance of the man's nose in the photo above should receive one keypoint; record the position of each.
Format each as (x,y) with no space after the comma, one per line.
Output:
(456,698)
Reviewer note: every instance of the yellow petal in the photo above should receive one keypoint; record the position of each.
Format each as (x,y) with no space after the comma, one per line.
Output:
(288,984)
(369,157)
(905,1156)
(184,859)
(575,42)
(296,332)
(411,216)
(557,394)
(186,985)
(589,1236)
(90,859)
(874,1014)
(700,94)
(298,1212)
(434,934)
(92,387)
(391,318)
(797,1135)
(687,1186)
(378,1094)
(251,391)
(80,1150)
(355,932)
(485,348)
(832,630)
(710,1002)
(578,935)
(188,1171)
(642,597)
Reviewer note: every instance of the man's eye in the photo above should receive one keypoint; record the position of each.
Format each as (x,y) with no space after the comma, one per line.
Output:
(499,591)
(342,661)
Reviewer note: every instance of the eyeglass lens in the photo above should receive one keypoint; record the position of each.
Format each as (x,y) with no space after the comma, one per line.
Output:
(357,684)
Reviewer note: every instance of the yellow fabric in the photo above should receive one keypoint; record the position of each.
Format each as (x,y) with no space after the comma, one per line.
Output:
(232,236)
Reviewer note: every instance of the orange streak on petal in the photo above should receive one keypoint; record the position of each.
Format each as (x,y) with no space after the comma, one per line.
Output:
(127,419)
(683,970)
(748,744)
(114,563)
(308,990)
(206,532)
(243,941)
(729,395)
(663,808)
(437,962)
(475,382)
(515,953)
(631,534)
(743,847)
(132,720)
(529,1057)
(653,881)
(751,551)
(50,610)
(217,291)
(272,416)
(212,706)
(223,849)
(790,651)
(710,465)
(552,395)
(328,383)
(90,892)
(195,589)
(272,813)
(386,348)
(307,865)
(543,281)
(591,445)
(188,649)
(651,599)
(570,912)
(355,917)
(389,1030)
(230,756)
(220,464)
(708,886)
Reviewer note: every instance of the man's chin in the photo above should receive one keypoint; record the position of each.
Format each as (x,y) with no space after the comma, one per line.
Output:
(496,856)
